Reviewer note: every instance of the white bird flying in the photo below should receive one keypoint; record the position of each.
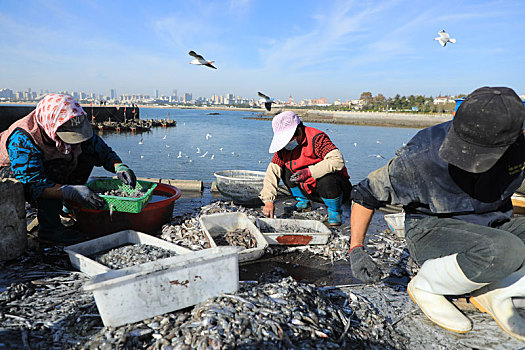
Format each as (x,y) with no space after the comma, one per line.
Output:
(208,136)
(141,141)
(267,101)
(199,60)
(180,154)
(167,146)
(212,156)
(164,138)
(444,38)
(220,149)
(198,150)
(204,155)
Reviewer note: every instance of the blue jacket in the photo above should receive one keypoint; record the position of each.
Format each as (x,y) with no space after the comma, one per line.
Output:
(425,184)
(28,164)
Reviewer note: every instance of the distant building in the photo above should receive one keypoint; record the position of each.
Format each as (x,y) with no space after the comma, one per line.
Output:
(444,99)
(187,97)
(6,93)
(320,101)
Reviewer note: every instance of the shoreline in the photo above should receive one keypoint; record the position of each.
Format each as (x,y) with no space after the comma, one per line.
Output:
(386,119)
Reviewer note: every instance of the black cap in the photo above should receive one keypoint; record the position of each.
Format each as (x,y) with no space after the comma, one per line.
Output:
(485,125)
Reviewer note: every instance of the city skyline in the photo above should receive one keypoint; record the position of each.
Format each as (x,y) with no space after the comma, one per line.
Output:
(305,49)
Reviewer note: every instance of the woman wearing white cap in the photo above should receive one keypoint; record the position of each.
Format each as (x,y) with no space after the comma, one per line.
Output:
(52,152)
(310,166)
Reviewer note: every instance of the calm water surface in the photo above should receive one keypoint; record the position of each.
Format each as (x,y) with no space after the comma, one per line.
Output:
(201,144)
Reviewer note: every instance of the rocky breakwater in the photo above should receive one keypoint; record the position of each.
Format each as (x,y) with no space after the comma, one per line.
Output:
(406,120)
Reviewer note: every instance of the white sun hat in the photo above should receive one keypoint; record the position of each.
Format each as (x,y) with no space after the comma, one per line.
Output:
(284,125)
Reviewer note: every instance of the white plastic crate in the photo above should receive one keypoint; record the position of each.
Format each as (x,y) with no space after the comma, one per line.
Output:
(396,222)
(139,292)
(79,253)
(280,237)
(216,224)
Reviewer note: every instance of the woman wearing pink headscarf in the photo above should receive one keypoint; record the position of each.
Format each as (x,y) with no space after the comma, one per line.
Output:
(52,151)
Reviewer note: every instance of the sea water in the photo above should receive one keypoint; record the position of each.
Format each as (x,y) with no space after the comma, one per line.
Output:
(202,144)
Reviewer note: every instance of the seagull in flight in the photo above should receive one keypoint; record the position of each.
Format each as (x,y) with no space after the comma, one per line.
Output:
(444,38)
(180,154)
(199,60)
(208,136)
(204,155)
(164,138)
(141,141)
(198,150)
(267,101)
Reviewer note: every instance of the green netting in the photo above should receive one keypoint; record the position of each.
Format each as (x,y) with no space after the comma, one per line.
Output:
(123,204)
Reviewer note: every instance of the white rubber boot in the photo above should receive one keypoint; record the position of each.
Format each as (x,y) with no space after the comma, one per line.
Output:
(438,277)
(496,300)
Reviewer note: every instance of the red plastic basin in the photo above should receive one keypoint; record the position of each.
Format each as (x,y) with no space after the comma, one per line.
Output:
(99,223)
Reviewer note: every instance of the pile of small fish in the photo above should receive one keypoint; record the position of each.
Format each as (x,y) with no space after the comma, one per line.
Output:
(43,305)
(275,315)
(130,255)
(239,237)
(188,234)
(120,192)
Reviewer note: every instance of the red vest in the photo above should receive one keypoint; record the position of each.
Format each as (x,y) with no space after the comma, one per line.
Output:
(304,156)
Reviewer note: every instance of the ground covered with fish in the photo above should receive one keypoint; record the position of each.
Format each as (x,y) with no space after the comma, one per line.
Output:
(43,306)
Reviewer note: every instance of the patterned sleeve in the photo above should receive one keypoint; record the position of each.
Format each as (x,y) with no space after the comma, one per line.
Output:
(101,152)
(27,164)
(323,145)
(277,159)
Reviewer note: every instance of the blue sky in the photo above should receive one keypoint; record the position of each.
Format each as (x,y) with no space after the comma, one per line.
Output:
(307,49)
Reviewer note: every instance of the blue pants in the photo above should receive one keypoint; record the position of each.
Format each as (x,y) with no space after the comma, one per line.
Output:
(329,186)
(485,254)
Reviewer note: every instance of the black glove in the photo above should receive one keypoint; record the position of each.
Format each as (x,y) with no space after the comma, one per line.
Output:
(126,175)
(363,267)
(83,195)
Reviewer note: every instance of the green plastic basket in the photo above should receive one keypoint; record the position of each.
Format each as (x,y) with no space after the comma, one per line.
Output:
(123,204)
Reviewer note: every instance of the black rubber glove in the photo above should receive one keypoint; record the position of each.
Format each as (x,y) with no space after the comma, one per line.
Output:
(126,175)
(83,195)
(363,267)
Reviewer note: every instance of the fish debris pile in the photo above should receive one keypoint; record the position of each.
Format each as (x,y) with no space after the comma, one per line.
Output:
(43,305)
(269,315)
(130,255)
(239,237)
(391,255)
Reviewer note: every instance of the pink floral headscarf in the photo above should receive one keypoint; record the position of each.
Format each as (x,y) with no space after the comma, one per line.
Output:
(53,111)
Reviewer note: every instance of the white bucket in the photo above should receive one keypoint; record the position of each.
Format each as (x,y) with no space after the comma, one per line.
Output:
(396,222)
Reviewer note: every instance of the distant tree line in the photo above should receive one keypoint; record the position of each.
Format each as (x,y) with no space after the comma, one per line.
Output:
(398,103)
